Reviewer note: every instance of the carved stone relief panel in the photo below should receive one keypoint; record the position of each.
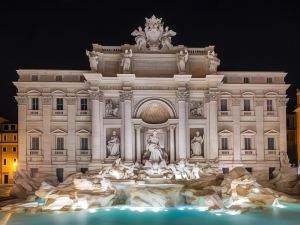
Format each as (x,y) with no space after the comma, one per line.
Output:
(112,108)
(196,109)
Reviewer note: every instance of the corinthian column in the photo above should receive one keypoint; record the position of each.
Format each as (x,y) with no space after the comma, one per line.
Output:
(96,142)
(126,96)
(182,95)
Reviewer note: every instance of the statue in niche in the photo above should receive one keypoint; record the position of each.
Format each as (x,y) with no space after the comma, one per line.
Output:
(153,149)
(166,39)
(93,59)
(196,109)
(126,61)
(111,110)
(113,145)
(182,59)
(140,38)
(196,144)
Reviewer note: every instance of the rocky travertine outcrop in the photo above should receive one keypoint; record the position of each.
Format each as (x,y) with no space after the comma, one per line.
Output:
(152,185)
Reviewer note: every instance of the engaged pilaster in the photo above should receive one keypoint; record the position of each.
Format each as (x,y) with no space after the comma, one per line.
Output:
(236,108)
(281,102)
(213,125)
(259,113)
(22,148)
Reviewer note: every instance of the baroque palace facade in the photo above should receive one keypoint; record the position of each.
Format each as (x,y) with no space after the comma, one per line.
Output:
(150,101)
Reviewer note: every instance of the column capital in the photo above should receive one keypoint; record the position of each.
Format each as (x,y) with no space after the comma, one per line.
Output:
(138,127)
(96,95)
(182,94)
(282,102)
(22,100)
(172,127)
(126,95)
(46,100)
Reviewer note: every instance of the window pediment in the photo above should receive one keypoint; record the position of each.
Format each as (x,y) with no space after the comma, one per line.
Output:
(272,132)
(82,132)
(248,132)
(58,92)
(58,132)
(225,132)
(34,131)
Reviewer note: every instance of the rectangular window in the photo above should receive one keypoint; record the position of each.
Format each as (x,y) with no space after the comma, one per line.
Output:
(225,80)
(4,138)
(58,78)
(269,80)
(15,137)
(34,77)
(247,143)
(269,105)
(35,104)
(6,127)
(35,145)
(271,144)
(4,149)
(59,104)
(15,160)
(83,104)
(224,143)
(13,127)
(84,144)
(247,105)
(224,105)
(59,143)
(246,80)
(14,149)
(4,162)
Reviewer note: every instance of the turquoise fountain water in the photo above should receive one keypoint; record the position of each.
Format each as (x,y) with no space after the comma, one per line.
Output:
(289,214)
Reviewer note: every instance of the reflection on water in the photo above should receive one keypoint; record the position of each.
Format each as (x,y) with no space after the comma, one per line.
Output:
(124,215)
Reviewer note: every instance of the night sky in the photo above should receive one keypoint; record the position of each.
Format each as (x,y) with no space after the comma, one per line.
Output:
(47,34)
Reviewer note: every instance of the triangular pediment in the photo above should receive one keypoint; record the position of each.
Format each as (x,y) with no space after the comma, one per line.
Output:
(34,131)
(82,92)
(58,92)
(82,131)
(272,132)
(248,132)
(225,132)
(58,131)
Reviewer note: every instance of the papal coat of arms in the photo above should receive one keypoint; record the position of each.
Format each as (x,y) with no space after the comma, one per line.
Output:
(155,36)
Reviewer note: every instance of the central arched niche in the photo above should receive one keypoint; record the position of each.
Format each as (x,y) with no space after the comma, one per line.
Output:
(155,111)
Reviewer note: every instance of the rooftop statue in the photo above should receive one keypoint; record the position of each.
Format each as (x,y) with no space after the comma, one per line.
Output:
(154,37)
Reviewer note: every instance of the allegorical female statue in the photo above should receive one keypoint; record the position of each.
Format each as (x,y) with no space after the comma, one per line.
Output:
(153,148)
(113,145)
(196,145)
(126,61)
(93,59)
(182,59)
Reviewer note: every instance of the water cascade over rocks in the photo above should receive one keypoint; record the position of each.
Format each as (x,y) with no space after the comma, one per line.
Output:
(150,185)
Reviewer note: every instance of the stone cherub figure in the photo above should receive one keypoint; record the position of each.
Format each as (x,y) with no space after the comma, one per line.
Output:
(140,38)
(93,59)
(182,59)
(126,61)
(166,39)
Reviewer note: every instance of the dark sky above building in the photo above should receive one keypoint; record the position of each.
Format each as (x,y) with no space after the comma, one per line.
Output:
(48,34)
